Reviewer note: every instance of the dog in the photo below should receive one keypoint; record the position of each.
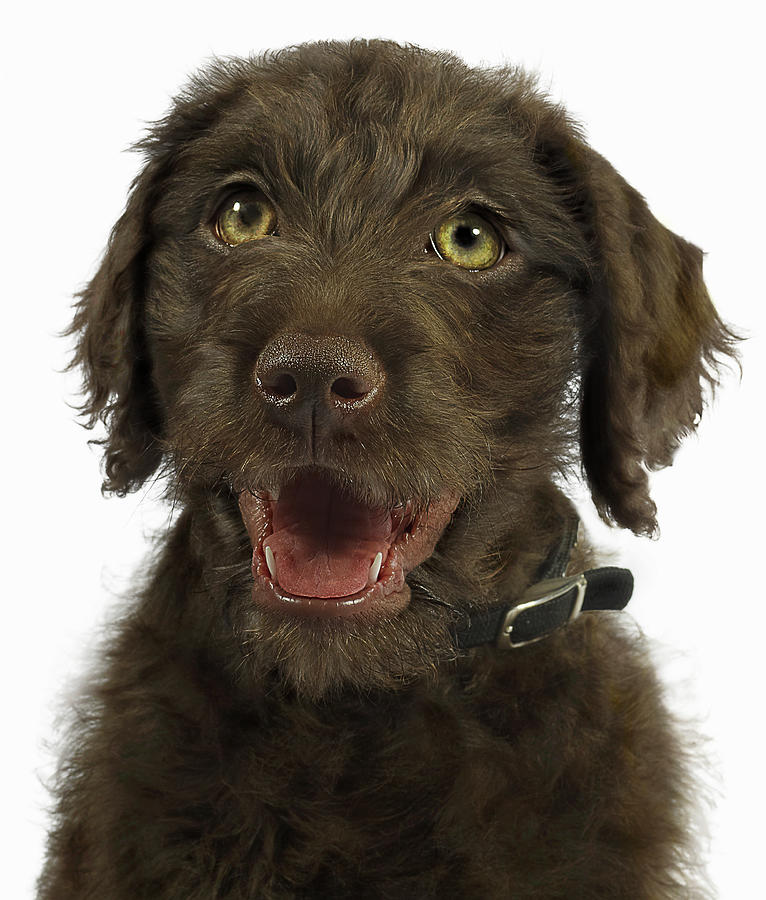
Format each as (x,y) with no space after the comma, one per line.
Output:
(366,310)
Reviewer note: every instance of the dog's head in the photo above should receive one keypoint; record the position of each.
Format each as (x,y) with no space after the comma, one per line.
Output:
(378,300)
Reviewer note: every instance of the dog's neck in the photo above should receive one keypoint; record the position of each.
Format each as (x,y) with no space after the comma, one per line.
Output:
(551,602)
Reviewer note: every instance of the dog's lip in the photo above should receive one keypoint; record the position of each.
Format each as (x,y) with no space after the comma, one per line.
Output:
(414,538)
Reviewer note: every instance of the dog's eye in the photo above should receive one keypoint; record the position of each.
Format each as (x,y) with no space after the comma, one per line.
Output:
(468,241)
(245,216)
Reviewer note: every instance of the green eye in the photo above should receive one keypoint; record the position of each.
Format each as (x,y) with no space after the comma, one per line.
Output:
(245,216)
(468,241)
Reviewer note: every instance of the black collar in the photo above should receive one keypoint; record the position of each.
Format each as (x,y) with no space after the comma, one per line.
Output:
(553,600)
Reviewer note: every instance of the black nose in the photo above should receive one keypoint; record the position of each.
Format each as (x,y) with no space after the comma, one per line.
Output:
(316,381)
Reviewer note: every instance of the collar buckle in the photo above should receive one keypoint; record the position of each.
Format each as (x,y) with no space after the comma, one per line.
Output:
(545,607)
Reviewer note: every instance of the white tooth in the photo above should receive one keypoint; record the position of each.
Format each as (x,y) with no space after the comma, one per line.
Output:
(271,562)
(375,568)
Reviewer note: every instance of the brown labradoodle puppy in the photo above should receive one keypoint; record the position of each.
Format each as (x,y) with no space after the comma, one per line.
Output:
(364,308)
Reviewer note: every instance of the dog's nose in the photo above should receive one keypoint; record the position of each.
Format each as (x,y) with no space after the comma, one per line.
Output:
(309,381)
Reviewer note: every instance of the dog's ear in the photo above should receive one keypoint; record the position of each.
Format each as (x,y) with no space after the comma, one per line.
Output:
(652,344)
(111,349)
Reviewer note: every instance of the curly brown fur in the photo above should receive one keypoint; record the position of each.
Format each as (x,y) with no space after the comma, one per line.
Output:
(230,750)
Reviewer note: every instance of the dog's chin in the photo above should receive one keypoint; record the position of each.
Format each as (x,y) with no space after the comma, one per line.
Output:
(320,553)
(320,657)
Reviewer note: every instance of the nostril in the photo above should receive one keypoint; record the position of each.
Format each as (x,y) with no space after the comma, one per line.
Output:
(350,388)
(279,384)
(303,376)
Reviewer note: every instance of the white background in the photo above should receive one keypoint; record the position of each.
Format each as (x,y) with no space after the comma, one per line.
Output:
(671,93)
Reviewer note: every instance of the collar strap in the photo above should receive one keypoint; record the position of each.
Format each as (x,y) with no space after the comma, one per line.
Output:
(552,602)
(547,606)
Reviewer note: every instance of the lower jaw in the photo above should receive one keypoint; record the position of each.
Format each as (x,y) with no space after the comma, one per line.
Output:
(367,605)
(387,597)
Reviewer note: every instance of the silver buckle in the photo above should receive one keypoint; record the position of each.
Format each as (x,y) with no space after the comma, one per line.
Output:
(537,595)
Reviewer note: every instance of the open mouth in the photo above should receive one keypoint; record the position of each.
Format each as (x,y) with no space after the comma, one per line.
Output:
(319,551)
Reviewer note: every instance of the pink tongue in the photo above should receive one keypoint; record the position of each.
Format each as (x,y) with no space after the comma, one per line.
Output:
(323,541)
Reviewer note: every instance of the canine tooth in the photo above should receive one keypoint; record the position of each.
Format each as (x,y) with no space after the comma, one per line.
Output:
(375,567)
(271,562)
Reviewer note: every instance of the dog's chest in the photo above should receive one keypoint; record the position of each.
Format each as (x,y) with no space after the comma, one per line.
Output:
(415,795)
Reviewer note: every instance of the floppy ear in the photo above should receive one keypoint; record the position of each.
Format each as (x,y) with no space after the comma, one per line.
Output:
(111,348)
(651,349)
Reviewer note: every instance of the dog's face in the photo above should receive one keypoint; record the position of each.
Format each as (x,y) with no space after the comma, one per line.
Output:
(365,303)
